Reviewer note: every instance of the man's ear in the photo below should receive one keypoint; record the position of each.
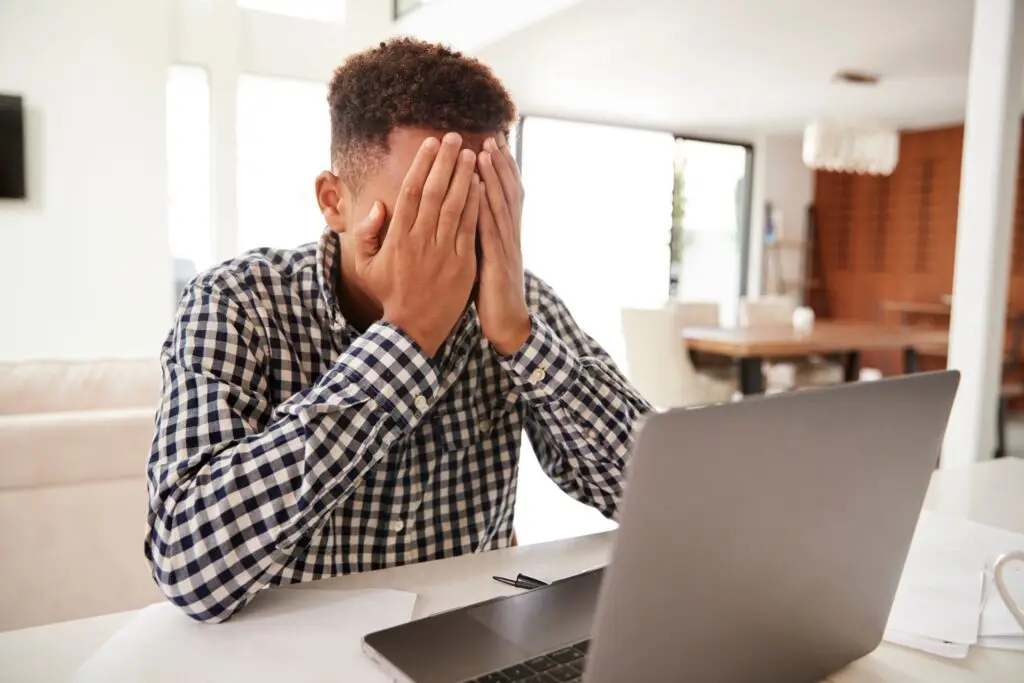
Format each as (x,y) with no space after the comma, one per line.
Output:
(332,197)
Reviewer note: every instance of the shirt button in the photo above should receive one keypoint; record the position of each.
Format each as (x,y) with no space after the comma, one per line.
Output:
(485,425)
(592,434)
(421,403)
(537,376)
(397,525)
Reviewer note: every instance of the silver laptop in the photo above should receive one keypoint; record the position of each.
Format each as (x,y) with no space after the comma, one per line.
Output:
(759,541)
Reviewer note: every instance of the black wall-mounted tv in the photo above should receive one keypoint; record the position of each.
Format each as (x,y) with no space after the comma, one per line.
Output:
(12,148)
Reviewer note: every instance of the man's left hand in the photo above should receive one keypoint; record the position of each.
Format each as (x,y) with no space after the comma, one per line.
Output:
(501,299)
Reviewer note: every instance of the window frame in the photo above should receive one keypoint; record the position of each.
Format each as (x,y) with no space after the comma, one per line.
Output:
(743,232)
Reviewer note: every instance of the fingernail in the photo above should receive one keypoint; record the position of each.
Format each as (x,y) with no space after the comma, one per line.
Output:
(452,139)
(375,211)
(485,158)
(466,155)
(430,143)
(491,144)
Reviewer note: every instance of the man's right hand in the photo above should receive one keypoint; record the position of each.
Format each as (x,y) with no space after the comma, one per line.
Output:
(423,271)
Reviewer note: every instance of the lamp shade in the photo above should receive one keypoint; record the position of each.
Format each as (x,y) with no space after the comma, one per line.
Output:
(851,148)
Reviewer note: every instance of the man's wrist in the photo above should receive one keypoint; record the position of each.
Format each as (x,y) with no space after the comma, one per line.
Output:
(517,334)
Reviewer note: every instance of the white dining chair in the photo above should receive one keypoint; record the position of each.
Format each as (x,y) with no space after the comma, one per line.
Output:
(659,365)
(698,313)
(777,310)
(767,310)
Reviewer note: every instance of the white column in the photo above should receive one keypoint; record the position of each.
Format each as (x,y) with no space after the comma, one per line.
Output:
(984,227)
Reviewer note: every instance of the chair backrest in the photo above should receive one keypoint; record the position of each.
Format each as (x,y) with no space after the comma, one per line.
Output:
(768,310)
(656,359)
(698,313)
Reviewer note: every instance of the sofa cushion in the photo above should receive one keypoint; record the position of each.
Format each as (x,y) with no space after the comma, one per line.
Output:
(73,551)
(55,449)
(57,386)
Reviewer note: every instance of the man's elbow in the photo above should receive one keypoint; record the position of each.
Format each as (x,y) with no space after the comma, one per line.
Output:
(205,598)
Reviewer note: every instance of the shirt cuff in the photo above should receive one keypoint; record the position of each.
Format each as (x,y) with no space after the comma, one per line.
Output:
(544,368)
(391,369)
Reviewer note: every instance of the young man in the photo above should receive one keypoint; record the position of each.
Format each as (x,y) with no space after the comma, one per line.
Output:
(359,403)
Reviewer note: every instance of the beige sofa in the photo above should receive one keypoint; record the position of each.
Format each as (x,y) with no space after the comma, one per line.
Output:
(74,438)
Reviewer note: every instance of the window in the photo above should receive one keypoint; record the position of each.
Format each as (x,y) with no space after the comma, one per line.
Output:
(188,171)
(402,7)
(283,143)
(712,212)
(596,227)
(318,10)
(619,217)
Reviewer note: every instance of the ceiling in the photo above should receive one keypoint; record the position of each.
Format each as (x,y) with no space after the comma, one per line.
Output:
(722,66)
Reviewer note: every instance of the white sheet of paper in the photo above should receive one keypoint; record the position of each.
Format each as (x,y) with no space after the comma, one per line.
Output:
(985,543)
(935,647)
(939,596)
(1002,642)
(283,635)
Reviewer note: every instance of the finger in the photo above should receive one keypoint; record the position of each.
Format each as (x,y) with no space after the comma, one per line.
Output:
(509,182)
(408,204)
(450,218)
(367,232)
(490,237)
(509,153)
(465,241)
(495,194)
(436,186)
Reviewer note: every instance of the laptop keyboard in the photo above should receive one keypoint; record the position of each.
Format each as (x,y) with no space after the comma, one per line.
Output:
(564,665)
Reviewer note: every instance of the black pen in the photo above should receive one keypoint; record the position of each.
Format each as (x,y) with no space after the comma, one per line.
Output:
(522,581)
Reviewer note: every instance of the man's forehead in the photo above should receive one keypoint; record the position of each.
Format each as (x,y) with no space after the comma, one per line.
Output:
(406,141)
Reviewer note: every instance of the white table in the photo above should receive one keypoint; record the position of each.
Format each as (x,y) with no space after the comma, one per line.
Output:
(991,493)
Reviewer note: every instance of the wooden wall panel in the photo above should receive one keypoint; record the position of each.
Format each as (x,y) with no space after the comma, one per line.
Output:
(894,238)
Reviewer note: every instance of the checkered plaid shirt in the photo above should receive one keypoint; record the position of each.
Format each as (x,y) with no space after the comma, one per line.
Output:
(289,447)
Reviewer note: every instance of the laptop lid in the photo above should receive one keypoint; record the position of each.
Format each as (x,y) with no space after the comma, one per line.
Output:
(764,540)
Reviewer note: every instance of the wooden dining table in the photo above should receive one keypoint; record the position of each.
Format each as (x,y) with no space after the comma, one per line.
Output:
(750,347)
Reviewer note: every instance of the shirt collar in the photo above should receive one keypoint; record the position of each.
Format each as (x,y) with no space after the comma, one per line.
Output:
(327,275)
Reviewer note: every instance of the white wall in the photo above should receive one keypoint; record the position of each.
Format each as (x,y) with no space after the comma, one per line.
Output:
(780,177)
(86,270)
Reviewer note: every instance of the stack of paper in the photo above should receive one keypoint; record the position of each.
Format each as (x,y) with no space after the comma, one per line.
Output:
(284,635)
(946,599)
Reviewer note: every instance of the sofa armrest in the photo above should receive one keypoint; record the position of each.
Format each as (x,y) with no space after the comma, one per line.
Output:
(54,449)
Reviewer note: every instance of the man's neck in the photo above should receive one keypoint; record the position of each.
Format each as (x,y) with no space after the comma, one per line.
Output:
(359,308)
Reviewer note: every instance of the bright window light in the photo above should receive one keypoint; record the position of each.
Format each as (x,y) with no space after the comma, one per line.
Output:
(188,169)
(713,188)
(284,141)
(596,227)
(318,10)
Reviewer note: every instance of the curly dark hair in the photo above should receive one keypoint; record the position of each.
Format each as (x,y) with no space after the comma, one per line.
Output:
(408,82)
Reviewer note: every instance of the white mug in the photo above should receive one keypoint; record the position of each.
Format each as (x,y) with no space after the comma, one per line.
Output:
(1004,592)
(803,319)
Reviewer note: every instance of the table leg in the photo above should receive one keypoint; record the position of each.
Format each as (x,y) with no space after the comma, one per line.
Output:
(851,367)
(751,376)
(910,360)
